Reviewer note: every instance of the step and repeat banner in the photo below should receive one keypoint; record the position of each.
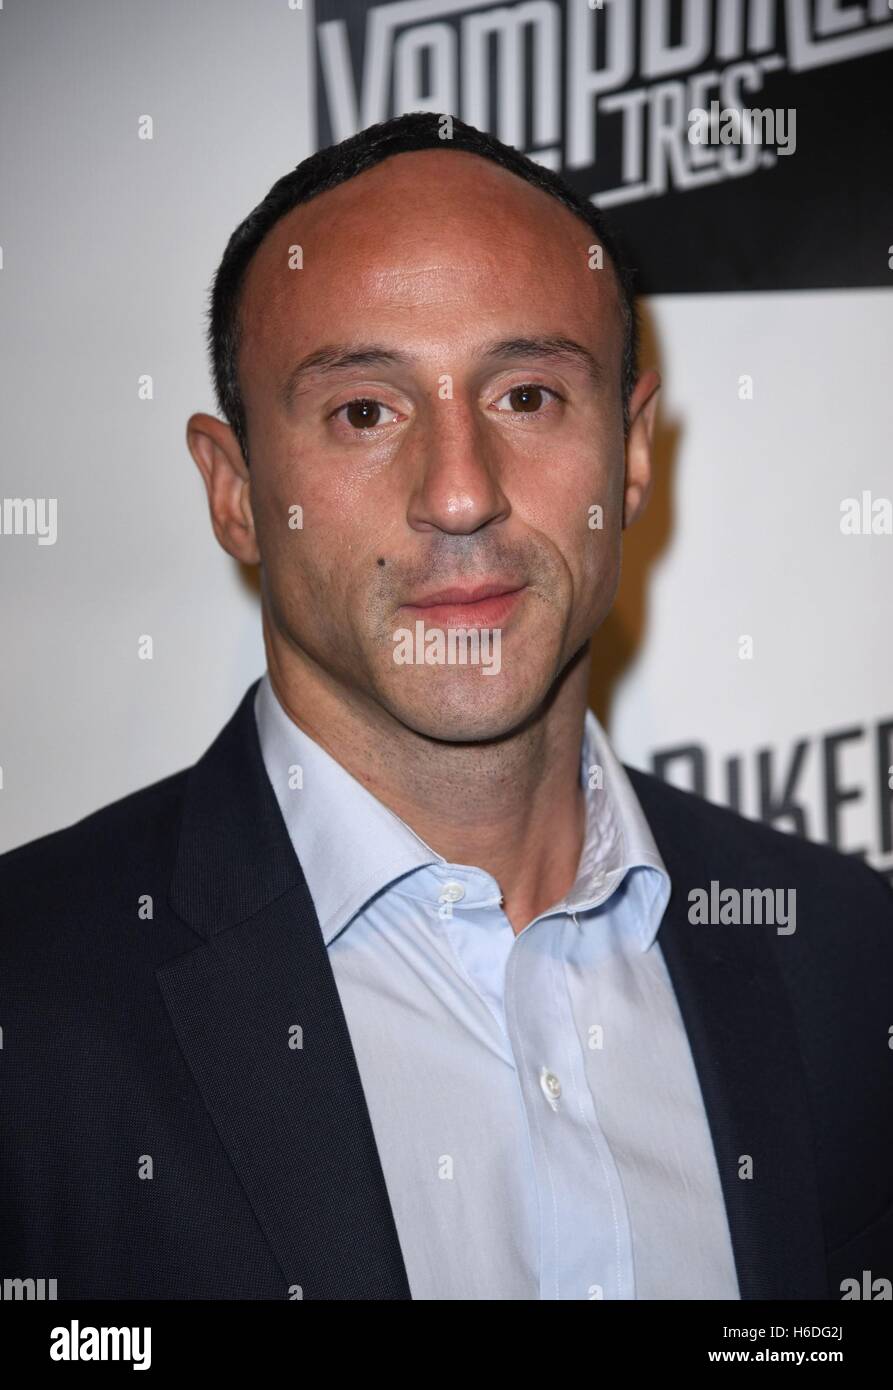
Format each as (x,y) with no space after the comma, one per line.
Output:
(742,149)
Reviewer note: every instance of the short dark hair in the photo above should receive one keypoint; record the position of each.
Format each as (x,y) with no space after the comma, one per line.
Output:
(416,130)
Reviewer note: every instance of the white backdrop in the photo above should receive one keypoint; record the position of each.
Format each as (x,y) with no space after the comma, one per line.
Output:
(109,243)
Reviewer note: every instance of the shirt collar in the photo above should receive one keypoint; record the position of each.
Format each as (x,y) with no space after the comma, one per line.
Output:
(324,807)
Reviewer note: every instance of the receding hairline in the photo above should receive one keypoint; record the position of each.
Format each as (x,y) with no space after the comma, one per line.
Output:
(238,308)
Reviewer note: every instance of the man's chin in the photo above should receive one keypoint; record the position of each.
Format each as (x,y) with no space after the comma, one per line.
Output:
(463,710)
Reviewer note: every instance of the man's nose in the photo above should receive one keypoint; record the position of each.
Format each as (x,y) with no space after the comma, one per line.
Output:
(455,464)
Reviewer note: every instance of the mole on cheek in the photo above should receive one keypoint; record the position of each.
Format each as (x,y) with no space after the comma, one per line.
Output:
(381,560)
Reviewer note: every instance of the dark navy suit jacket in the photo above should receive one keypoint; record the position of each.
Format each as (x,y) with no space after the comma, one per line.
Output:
(130,1041)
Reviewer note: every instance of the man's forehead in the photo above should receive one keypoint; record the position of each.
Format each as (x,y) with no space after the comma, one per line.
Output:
(419,213)
(451,250)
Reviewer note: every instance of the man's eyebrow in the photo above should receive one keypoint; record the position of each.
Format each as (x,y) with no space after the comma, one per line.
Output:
(327,361)
(553,346)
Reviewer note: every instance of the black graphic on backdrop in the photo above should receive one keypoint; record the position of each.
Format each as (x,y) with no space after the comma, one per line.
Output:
(605,93)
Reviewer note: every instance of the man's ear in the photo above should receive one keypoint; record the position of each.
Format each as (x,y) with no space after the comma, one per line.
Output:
(219,459)
(638,477)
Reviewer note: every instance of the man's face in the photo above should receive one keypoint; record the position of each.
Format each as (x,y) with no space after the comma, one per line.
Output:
(466,463)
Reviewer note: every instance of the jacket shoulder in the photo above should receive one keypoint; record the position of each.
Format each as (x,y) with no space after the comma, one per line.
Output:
(81,865)
(702,834)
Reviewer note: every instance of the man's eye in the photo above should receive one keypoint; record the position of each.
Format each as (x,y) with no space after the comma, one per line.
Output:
(363,413)
(527,398)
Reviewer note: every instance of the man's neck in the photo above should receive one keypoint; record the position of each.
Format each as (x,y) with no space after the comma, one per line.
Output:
(513,807)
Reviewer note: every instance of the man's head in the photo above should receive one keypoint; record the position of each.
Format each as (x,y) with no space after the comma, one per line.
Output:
(486,421)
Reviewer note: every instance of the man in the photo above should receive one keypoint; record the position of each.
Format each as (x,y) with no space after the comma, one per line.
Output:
(409,988)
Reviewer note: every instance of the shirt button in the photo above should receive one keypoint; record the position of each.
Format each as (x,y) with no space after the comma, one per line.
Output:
(551,1087)
(452,892)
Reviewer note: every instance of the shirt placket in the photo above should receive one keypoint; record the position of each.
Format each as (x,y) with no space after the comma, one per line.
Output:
(585,1237)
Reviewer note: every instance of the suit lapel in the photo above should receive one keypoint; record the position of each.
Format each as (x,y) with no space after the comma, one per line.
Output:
(293,1118)
(744,1045)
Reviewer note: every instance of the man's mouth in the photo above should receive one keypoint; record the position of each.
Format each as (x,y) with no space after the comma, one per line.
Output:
(481,605)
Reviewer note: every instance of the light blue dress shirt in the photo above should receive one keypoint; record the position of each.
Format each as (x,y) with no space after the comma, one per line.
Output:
(533,1097)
